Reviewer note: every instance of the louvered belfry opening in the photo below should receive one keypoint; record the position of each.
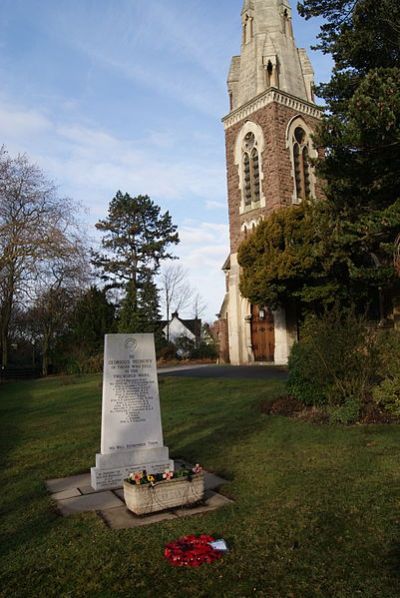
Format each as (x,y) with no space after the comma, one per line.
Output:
(251,171)
(301,164)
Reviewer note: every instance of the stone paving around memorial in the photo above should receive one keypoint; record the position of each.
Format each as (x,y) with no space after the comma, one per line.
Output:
(75,495)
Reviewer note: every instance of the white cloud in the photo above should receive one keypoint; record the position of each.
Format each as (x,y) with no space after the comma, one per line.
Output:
(168,48)
(91,159)
(215,205)
(16,123)
(203,251)
(91,164)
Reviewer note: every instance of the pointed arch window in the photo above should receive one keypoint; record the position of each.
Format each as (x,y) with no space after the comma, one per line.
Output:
(251,171)
(300,145)
(248,153)
(248,28)
(272,72)
(287,23)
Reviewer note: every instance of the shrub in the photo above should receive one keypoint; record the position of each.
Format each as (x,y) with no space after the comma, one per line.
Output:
(184,347)
(204,351)
(79,362)
(387,395)
(335,362)
(306,383)
(388,346)
(348,413)
(167,352)
(387,392)
(285,405)
(94,364)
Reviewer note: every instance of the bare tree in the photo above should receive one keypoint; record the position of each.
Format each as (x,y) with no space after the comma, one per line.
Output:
(61,280)
(176,292)
(198,306)
(36,228)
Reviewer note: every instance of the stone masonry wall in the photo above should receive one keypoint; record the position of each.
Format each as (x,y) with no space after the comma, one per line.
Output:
(278,181)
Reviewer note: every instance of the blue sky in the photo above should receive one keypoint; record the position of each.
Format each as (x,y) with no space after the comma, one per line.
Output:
(129,94)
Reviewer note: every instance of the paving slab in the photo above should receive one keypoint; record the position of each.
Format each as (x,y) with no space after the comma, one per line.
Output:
(75,495)
(61,484)
(122,518)
(213,501)
(212,481)
(66,494)
(91,502)
(88,490)
(120,493)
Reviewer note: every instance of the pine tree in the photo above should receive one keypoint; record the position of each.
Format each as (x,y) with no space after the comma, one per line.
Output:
(361,137)
(92,318)
(136,239)
(140,308)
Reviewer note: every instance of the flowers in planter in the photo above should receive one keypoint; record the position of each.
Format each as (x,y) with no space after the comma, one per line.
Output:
(136,478)
(140,478)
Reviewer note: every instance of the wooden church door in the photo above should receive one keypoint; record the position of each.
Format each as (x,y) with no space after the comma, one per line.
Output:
(262,334)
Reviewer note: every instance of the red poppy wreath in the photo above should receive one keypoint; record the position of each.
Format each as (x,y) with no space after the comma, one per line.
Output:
(191,551)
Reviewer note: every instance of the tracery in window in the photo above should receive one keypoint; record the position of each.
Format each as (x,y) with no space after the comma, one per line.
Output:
(301,149)
(251,171)
(249,149)
(301,163)
(247,179)
(256,174)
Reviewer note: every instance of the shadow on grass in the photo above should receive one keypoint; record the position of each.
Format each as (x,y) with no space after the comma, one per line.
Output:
(20,489)
(393,559)
(15,399)
(44,425)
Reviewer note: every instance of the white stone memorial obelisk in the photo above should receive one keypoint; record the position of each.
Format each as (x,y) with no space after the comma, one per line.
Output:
(131,430)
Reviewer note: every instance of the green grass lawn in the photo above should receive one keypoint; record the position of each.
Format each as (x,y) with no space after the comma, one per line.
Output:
(316,509)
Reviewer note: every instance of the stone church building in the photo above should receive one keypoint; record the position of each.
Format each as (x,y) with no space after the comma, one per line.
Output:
(268,145)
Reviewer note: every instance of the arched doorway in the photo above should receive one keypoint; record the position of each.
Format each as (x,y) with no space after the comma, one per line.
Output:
(262,334)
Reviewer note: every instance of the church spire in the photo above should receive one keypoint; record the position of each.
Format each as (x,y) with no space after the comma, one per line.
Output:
(248,5)
(269,56)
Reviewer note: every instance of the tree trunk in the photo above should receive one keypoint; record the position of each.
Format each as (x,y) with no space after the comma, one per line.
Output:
(4,348)
(45,356)
(5,323)
(5,314)
(167,323)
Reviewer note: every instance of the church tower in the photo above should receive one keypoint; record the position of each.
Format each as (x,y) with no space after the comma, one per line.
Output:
(268,146)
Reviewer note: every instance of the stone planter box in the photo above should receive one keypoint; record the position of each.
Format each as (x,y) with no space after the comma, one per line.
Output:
(163,495)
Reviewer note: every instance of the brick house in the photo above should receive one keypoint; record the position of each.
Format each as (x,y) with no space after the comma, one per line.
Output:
(268,145)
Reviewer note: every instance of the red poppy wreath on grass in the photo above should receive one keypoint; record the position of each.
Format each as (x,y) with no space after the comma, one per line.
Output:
(191,551)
